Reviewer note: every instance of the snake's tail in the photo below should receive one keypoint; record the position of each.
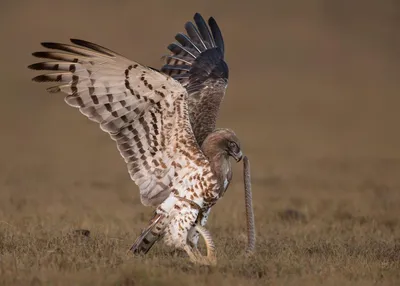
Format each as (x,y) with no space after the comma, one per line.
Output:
(211,255)
(195,254)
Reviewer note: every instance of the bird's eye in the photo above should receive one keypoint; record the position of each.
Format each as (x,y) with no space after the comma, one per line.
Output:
(233,145)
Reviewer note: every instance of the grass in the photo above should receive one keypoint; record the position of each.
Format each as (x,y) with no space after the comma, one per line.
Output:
(311,229)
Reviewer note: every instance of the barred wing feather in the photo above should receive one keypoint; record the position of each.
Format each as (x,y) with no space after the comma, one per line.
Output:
(143,110)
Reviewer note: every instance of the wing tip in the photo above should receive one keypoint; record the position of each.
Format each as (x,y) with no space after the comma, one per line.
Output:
(76,41)
(94,47)
(50,45)
(35,66)
(47,78)
(82,43)
(43,55)
(41,78)
(206,37)
(217,34)
(44,66)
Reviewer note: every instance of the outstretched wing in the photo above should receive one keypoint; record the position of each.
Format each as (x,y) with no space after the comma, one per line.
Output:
(143,110)
(197,62)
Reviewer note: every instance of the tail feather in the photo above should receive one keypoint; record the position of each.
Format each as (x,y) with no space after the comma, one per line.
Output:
(150,235)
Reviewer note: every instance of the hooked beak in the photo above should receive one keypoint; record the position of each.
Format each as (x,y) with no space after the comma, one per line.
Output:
(238,156)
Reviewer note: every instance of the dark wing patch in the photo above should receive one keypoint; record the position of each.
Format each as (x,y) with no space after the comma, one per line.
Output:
(197,62)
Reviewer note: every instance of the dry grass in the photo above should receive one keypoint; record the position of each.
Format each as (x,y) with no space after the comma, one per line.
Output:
(309,232)
(314,97)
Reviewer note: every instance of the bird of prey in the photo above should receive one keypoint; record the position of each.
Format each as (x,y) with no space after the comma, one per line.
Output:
(163,123)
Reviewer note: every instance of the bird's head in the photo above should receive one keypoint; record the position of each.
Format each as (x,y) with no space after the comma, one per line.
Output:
(222,141)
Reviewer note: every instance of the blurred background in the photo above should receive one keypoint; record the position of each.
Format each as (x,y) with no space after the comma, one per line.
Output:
(313,90)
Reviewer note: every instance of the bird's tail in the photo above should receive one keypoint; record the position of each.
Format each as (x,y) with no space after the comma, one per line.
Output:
(150,235)
(200,51)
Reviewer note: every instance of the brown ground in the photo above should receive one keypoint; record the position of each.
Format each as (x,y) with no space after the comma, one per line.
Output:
(314,96)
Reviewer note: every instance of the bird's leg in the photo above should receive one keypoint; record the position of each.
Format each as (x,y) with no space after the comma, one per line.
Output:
(193,236)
